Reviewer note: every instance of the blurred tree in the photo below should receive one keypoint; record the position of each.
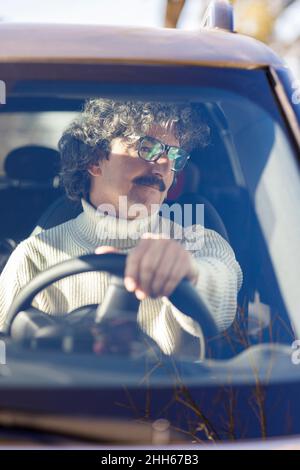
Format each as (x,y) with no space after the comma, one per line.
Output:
(257,17)
(252,17)
(173,11)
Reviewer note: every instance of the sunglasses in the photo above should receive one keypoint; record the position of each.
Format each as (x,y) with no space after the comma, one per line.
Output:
(151,149)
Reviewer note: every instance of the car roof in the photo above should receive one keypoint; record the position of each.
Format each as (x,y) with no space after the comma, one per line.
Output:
(99,43)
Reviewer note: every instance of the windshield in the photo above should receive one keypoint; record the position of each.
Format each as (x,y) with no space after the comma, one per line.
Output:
(247,179)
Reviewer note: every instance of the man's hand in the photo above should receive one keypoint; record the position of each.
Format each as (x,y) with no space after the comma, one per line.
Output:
(156,265)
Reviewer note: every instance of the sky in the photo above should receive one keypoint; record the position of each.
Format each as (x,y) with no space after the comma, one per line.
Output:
(124,12)
(288,25)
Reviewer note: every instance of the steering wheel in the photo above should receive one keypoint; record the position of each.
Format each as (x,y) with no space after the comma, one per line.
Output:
(184,297)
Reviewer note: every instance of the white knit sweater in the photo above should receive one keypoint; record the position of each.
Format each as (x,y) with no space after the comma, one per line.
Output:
(219,278)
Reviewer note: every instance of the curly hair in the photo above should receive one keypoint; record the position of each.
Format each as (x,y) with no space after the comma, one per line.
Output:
(87,140)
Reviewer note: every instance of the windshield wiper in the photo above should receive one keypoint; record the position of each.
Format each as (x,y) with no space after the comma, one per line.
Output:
(97,430)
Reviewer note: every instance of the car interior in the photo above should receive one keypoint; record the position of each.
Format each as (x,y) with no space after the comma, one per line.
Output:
(31,200)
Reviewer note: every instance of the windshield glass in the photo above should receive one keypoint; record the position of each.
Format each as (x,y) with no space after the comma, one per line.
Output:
(245,177)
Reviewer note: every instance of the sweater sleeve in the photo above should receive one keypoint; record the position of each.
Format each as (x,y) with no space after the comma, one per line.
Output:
(219,278)
(16,274)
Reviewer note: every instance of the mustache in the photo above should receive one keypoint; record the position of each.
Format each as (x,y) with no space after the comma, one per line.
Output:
(151,180)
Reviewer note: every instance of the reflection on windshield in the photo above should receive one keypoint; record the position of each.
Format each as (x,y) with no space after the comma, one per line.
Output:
(248,178)
(276,204)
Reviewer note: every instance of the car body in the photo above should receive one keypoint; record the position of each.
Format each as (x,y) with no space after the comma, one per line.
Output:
(251,392)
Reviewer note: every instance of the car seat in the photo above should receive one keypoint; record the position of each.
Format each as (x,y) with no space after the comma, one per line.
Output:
(29,185)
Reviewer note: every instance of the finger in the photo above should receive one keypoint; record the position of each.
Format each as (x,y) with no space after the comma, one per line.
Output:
(131,277)
(149,264)
(101,250)
(140,295)
(176,275)
(164,269)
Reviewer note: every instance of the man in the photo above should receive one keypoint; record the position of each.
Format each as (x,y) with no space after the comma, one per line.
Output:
(130,150)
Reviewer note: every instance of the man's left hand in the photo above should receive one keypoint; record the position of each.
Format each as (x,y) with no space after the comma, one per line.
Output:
(156,265)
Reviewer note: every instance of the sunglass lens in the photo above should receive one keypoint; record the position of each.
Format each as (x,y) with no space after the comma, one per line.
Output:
(178,157)
(150,149)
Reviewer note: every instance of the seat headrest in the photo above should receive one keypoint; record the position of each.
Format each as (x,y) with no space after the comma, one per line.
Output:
(186,181)
(32,162)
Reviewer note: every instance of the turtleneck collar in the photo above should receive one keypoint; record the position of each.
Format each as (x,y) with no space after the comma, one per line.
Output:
(94,228)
